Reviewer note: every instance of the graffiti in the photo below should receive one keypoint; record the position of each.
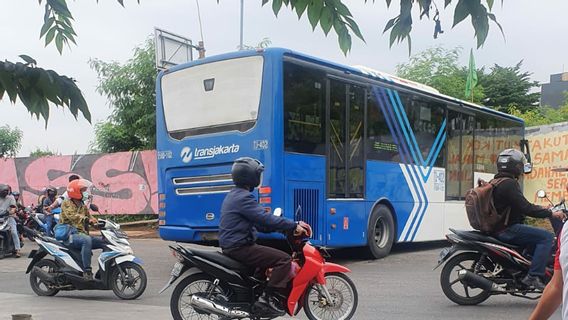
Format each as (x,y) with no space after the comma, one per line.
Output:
(124,182)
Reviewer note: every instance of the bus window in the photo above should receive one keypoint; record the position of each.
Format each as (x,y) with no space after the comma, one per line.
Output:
(226,95)
(356,128)
(337,150)
(460,148)
(380,142)
(304,101)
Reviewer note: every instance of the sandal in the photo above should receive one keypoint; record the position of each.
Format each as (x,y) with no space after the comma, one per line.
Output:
(17,255)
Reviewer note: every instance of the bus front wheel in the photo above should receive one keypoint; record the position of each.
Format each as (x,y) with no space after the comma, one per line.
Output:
(380,232)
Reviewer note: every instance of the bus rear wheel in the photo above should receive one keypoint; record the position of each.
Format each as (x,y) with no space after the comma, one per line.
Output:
(380,232)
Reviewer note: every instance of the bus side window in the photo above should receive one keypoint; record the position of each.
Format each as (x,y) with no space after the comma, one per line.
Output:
(380,142)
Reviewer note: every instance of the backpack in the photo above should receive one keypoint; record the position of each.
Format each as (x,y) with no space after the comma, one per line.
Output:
(481,210)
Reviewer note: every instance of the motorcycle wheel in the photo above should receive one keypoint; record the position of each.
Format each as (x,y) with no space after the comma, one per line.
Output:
(450,282)
(341,289)
(198,283)
(132,284)
(38,286)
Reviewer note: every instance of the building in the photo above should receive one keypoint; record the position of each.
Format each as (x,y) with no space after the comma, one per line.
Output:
(553,94)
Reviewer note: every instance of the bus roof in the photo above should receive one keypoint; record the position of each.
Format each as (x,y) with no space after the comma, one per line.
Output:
(357,69)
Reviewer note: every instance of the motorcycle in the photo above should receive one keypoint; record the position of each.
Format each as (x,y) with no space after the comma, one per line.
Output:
(37,221)
(6,243)
(222,287)
(119,270)
(479,266)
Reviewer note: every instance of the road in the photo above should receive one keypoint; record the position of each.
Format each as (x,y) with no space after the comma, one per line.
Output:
(401,286)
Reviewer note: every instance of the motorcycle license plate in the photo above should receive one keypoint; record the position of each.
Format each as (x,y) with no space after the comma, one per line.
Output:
(177,269)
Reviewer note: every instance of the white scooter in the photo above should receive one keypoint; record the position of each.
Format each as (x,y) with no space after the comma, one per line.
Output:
(119,270)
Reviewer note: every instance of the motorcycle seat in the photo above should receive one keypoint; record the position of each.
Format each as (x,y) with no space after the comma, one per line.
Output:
(480,236)
(219,258)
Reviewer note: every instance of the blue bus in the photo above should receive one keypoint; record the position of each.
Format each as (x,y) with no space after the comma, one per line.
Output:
(372,159)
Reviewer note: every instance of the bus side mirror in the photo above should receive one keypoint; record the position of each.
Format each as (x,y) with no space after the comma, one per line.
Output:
(277,212)
(541,194)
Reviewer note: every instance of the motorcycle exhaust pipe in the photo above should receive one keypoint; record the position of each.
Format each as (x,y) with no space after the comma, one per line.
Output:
(217,309)
(44,276)
(479,281)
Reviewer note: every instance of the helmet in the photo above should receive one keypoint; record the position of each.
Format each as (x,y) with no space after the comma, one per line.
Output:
(512,161)
(51,191)
(4,190)
(75,188)
(247,172)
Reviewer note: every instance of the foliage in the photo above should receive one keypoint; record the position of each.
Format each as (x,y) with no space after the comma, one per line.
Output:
(38,153)
(439,68)
(129,87)
(264,43)
(36,87)
(10,141)
(509,86)
(336,14)
(538,116)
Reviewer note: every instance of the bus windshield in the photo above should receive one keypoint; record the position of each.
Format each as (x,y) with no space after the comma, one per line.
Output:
(225,95)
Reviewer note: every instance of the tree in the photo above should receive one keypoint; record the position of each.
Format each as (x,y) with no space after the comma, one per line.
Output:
(539,116)
(10,141)
(35,87)
(38,153)
(439,68)
(336,14)
(130,89)
(509,86)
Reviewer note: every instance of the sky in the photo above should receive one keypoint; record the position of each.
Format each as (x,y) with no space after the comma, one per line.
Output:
(534,32)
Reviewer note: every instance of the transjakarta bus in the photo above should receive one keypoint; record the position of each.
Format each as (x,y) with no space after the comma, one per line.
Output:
(371,159)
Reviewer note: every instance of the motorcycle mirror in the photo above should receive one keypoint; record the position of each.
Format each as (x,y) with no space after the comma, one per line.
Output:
(277,212)
(541,194)
(527,168)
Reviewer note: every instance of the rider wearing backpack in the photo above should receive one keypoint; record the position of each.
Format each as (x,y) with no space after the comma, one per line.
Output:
(508,197)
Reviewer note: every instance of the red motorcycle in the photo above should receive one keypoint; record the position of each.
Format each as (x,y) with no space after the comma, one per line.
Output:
(227,289)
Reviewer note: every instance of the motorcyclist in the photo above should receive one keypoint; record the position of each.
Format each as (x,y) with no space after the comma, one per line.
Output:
(50,195)
(20,215)
(75,213)
(59,200)
(8,211)
(509,199)
(241,217)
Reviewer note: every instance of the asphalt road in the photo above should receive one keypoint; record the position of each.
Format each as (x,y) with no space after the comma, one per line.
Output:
(401,286)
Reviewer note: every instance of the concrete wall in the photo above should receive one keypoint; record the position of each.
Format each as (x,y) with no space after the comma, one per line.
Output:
(125,182)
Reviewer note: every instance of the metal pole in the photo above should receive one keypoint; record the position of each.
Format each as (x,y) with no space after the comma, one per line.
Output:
(242,15)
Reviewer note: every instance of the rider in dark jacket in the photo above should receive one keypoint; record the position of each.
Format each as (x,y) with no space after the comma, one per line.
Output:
(241,217)
(509,199)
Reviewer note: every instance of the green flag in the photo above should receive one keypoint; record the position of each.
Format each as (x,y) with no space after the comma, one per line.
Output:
(471,77)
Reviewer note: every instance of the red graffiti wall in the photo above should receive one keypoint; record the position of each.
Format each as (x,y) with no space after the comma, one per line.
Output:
(125,182)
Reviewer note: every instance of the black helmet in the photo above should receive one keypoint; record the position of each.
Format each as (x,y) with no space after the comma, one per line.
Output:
(4,190)
(246,172)
(51,191)
(511,161)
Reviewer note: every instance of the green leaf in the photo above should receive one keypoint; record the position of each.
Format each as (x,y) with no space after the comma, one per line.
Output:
(342,9)
(390,24)
(314,12)
(46,26)
(121,2)
(461,12)
(353,25)
(345,42)
(490,4)
(301,6)
(492,17)
(447,3)
(263,2)
(276,6)
(50,35)
(388,3)
(326,19)
(59,43)
(28,59)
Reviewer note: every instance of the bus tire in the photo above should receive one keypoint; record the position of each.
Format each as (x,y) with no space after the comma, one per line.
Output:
(380,232)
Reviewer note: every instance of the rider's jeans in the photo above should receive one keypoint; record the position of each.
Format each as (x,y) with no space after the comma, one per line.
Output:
(14,231)
(86,244)
(49,224)
(523,235)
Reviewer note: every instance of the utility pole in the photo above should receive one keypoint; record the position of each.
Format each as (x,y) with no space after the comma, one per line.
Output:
(242,16)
